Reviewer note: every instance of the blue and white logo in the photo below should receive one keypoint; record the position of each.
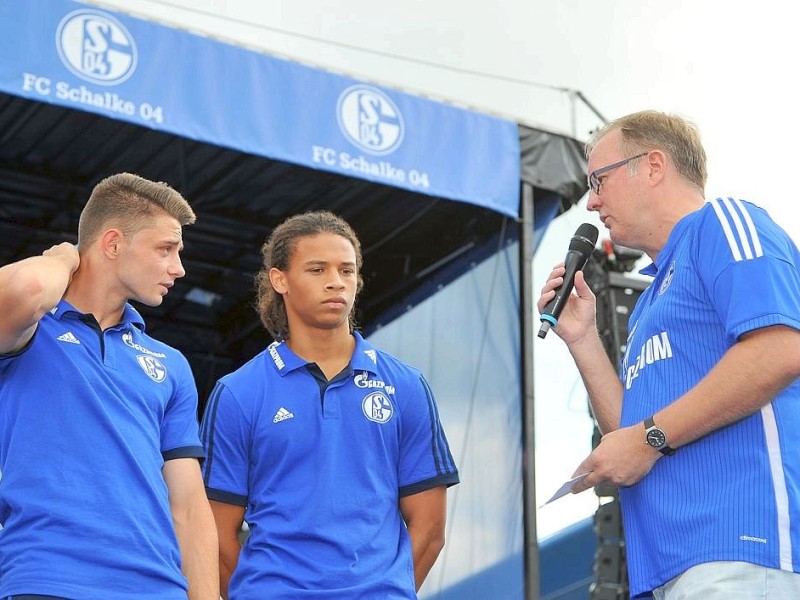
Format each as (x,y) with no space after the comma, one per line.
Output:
(370,120)
(377,407)
(153,367)
(96,47)
(667,279)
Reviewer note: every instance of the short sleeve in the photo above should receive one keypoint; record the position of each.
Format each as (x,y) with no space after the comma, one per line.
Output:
(179,428)
(226,434)
(425,458)
(749,266)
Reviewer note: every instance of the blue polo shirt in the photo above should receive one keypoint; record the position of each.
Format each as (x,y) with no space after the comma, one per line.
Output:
(87,419)
(320,467)
(727,269)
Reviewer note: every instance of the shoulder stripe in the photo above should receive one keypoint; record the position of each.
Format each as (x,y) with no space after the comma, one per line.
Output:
(748,252)
(207,430)
(726,228)
(440,449)
(733,228)
(752,228)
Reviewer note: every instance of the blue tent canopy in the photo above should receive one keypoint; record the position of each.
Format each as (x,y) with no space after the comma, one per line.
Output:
(250,139)
(143,73)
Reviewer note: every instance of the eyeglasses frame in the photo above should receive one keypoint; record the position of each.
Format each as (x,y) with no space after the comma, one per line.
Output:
(594,182)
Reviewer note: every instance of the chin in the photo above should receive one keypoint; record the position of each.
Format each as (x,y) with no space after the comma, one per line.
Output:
(334,324)
(153,302)
(616,238)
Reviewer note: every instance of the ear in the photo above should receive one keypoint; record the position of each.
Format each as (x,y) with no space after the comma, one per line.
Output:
(110,243)
(657,163)
(278,280)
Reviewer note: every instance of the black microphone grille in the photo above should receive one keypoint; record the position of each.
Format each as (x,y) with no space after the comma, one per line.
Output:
(584,239)
(588,231)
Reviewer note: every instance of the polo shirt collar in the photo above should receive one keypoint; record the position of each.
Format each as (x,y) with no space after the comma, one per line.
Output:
(285,361)
(130,316)
(365,356)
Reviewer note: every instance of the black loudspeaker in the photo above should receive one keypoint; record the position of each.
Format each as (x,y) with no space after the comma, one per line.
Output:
(615,302)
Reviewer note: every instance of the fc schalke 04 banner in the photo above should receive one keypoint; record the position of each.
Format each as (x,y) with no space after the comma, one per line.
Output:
(77,56)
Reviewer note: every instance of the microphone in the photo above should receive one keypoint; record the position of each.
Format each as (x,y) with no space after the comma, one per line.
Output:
(580,248)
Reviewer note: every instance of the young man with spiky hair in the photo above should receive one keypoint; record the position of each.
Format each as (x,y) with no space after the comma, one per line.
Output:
(101,494)
(329,448)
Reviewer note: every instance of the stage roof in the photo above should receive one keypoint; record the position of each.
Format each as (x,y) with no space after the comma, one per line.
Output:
(243,174)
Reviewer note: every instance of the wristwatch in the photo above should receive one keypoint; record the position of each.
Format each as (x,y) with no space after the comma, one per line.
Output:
(656,438)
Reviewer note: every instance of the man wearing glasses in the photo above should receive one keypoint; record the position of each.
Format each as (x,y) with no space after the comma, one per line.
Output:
(702,422)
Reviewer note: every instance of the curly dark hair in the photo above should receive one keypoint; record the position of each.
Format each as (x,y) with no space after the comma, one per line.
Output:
(277,251)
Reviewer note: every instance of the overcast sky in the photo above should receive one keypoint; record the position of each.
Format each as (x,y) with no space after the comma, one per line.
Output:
(730,67)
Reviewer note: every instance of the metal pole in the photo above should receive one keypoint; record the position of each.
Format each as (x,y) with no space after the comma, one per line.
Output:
(591,106)
(573,113)
(531,547)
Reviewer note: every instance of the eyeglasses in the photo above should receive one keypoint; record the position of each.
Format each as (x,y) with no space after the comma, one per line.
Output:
(594,177)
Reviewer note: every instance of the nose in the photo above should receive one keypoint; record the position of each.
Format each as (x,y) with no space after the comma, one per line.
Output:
(593,203)
(335,282)
(177,270)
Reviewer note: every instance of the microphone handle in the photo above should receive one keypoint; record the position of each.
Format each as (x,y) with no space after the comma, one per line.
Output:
(574,262)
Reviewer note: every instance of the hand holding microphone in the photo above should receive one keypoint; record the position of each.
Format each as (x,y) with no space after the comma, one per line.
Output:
(580,248)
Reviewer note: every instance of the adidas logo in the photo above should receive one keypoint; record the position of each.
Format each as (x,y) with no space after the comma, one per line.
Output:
(68,337)
(282,415)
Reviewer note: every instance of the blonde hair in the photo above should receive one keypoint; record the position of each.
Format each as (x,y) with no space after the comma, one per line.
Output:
(128,202)
(648,130)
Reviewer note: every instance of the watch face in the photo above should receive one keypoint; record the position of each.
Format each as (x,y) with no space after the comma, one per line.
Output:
(656,438)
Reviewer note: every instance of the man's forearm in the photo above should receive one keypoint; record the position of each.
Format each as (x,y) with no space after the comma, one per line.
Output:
(228,559)
(750,374)
(30,288)
(426,545)
(197,537)
(601,381)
